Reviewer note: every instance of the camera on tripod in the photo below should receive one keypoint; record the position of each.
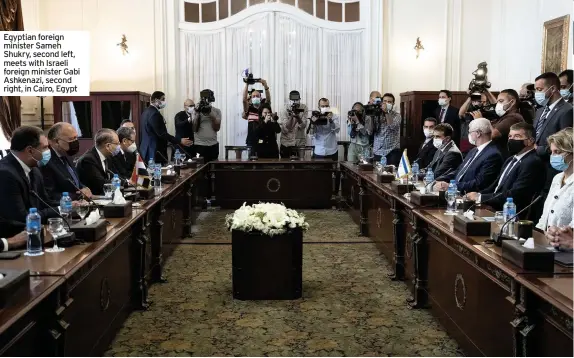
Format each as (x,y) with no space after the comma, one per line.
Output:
(479,83)
(206,98)
(248,78)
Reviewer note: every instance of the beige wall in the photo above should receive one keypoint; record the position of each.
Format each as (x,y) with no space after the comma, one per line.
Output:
(106,20)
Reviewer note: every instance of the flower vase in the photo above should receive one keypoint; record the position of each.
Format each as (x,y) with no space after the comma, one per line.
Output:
(267,267)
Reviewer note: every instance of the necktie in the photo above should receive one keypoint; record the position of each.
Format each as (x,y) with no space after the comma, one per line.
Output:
(541,120)
(506,171)
(71,172)
(472,155)
(441,116)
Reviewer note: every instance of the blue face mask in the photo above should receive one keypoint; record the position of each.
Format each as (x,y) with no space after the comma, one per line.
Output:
(557,162)
(565,93)
(46,155)
(116,151)
(540,98)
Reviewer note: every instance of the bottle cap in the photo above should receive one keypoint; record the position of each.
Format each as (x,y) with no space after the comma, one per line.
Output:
(65,193)
(509,200)
(453,181)
(33,210)
(115,175)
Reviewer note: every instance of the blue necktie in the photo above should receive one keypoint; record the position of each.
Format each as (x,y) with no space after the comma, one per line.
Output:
(72,173)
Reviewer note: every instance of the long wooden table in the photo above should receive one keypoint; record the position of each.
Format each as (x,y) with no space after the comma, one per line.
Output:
(490,306)
(77,299)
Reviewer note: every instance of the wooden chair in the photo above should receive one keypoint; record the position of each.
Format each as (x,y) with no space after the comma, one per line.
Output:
(345,144)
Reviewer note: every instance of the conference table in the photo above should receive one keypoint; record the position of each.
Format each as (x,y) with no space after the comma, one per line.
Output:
(76,300)
(489,305)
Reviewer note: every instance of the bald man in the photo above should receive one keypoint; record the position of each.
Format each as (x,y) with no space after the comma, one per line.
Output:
(184,126)
(60,174)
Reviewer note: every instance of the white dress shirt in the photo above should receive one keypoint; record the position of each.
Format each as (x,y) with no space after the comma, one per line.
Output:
(509,168)
(102,159)
(26,168)
(559,203)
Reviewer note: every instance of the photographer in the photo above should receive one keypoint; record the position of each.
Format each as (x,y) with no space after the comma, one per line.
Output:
(324,128)
(293,122)
(266,133)
(252,103)
(527,106)
(387,131)
(473,103)
(359,129)
(206,123)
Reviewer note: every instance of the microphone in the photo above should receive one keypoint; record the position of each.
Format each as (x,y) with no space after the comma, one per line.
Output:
(498,238)
(51,208)
(486,201)
(78,189)
(162,156)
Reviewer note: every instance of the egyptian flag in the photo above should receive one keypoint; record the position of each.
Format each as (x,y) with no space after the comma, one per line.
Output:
(140,174)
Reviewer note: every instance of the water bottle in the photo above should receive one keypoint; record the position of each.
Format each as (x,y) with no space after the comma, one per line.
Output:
(429,178)
(34,228)
(117,183)
(66,206)
(383,162)
(157,176)
(509,210)
(415,170)
(451,197)
(208,204)
(452,186)
(150,167)
(177,166)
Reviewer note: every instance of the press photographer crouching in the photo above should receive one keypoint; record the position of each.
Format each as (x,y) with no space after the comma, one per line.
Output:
(266,134)
(206,124)
(359,129)
(293,123)
(324,128)
(386,128)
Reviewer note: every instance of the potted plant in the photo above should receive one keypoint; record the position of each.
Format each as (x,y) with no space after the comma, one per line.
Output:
(267,252)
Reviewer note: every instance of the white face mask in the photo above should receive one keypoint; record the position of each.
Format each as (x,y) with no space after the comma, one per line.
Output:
(132,148)
(162,104)
(437,142)
(428,132)
(190,109)
(442,102)
(325,110)
(500,111)
(389,107)
(470,139)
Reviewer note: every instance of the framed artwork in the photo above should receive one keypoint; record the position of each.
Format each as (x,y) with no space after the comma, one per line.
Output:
(555,44)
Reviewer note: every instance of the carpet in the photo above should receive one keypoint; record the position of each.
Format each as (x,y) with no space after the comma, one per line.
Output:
(349,306)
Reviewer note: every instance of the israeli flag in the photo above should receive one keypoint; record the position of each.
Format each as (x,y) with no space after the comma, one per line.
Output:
(404,168)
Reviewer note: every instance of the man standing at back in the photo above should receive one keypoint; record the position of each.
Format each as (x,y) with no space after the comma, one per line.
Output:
(154,135)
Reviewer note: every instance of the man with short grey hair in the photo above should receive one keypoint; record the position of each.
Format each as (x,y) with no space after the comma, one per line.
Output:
(184,126)
(482,164)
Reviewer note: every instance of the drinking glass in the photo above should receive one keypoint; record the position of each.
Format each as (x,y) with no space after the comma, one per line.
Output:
(83,210)
(55,227)
(451,203)
(499,218)
(108,190)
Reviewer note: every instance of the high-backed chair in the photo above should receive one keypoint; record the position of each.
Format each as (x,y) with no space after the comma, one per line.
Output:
(238,149)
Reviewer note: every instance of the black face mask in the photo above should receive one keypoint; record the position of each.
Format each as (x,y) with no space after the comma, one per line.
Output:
(74,147)
(515,146)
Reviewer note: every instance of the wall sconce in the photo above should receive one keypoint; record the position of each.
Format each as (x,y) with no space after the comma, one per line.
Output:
(419,47)
(123,45)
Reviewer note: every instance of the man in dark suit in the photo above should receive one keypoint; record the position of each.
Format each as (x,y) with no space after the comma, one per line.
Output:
(427,149)
(21,181)
(482,164)
(446,113)
(154,135)
(15,242)
(123,163)
(566,80)
(522,176)
(94,166)
(447,157)
(554,115)
(60,174)
(184,126)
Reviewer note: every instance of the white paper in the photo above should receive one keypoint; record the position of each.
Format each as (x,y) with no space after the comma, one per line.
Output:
(529,244)
(469,214)
(118,198)
(423,190)
(197,155)
(93,217)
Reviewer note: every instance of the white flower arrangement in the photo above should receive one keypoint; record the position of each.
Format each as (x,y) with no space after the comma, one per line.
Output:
(267,218)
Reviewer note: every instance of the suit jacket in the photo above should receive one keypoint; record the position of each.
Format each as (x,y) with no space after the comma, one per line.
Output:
(184,129)
(9,228)
(451,117)
(482,171)
(446,161)
(523,183)
(266,134)
(154,135)
(426,154)
(16,193)
(123,164)
(91,173)
(56,177)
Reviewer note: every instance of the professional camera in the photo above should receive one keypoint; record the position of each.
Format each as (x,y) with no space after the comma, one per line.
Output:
(479,83)
(321,118)
(529,98)
(375,109)
(206,98)
(248,78)
(488,111)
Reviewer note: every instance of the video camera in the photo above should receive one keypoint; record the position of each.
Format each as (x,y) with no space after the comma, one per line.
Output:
(294,108)
(248,78)
(488,111)
(375,109)
(529,98)
(206,98)
(321,118)
(479,83)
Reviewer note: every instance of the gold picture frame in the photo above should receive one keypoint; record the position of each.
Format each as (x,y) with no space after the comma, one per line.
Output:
(555,44)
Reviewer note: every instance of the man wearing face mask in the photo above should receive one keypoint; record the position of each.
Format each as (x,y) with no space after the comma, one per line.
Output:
(566,85)
(293,123)
(20,177)
(507,112)
(94,168)
(465,113)
(184,126)
(447,157)
(60,174)
(522,175)
(359,128)
(252,103)
(387,130)
(325,134)
(446,113)
(554,115)
(123,163)
(427,150)
(154,135)
(481,166)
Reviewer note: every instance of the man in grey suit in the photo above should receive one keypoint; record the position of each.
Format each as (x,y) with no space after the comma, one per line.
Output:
(554,115)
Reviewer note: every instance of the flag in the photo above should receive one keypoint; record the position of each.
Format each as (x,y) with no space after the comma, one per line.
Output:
(140,174)
(404,166)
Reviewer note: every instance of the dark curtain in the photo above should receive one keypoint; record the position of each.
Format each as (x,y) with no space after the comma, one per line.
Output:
(10,20)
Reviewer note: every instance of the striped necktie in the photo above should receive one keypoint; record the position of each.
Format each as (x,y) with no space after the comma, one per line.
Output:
(542,120)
